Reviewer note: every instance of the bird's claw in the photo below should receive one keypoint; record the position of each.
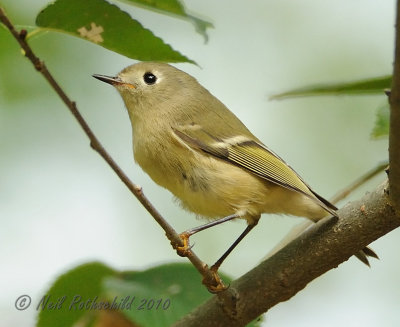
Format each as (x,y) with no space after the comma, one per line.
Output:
(214,284)
(183,250)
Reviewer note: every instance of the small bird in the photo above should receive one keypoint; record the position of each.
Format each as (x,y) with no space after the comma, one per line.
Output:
(190,143)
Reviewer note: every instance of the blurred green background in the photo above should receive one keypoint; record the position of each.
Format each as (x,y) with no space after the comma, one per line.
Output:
(60,204)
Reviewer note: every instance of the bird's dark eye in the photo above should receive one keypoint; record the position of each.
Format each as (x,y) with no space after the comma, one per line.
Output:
(149,78)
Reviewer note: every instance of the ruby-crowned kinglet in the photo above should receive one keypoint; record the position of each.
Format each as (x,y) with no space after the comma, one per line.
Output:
(192,144)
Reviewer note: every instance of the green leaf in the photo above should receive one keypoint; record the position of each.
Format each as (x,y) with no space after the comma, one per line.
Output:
(105,24)
(174,7)
(375,85)
(166,6)
(93,293)
(381,128)
(57,308)
(162,295)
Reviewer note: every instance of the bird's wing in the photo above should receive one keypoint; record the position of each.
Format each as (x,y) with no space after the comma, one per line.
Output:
(252,156)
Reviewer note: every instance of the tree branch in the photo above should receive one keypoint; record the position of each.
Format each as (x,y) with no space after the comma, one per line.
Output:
(342,194)
(394,134)
(322,247)
(209,277)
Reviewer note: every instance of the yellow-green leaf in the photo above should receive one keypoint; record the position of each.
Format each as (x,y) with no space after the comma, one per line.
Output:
(376,85)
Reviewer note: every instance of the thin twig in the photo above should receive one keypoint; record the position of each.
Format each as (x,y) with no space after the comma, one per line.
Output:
(208,277)
(357,183)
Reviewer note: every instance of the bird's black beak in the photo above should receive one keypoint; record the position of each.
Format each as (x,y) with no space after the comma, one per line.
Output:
(113,81)
(108,79)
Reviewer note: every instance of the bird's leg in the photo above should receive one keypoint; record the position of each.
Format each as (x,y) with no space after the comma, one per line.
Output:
(214,268)
(183,250)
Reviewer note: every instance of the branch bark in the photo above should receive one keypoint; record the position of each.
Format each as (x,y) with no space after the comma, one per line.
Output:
(322,247)
(394,134)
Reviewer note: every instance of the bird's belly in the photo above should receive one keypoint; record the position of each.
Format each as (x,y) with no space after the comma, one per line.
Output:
(213,188)
(206,186)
